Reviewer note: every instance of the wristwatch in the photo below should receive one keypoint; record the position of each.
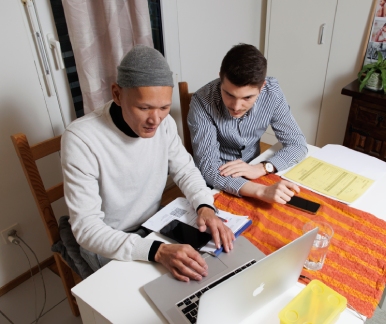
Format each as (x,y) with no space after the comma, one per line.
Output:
(268,167)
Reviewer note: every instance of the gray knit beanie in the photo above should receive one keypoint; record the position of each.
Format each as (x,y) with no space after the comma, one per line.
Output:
(144,66)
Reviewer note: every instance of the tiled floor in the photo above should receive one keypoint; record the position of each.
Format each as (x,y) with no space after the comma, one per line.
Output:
(19,304)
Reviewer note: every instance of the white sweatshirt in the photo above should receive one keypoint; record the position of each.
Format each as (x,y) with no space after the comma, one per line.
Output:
(114,182)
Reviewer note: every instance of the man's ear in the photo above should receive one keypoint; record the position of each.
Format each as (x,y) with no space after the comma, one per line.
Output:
(116,91)
(265,82)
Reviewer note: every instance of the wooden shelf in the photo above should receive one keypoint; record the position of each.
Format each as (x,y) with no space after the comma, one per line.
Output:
(366,125)
(352,90)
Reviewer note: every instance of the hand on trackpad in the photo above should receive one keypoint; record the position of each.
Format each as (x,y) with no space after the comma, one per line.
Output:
(215,266)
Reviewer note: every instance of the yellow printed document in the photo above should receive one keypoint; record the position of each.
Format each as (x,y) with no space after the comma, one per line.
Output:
(329,180)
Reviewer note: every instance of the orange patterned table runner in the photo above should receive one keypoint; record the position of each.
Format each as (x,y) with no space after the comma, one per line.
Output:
(355,265)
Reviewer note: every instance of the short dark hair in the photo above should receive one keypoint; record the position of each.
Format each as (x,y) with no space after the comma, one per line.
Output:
(244,65)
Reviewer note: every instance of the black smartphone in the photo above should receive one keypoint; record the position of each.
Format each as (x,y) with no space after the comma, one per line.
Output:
(186,234)
(304,204)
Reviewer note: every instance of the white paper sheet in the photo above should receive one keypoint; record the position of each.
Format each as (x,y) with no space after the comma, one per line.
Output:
(182,210)
(362,164)
(353,161)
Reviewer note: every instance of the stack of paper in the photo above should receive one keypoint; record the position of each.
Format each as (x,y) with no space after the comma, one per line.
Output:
(182,210)
(337,172)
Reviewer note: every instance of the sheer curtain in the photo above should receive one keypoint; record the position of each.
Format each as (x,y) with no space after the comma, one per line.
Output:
(101,33)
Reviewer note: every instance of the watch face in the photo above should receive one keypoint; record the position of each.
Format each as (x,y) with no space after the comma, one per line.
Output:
(269,167)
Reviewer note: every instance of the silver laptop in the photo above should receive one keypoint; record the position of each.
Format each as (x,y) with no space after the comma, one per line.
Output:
(238,283)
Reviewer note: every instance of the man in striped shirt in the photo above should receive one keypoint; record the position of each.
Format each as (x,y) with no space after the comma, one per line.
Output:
(227,118)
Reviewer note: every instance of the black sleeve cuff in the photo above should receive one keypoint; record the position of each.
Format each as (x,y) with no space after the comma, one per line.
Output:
(153,250)
(205,205)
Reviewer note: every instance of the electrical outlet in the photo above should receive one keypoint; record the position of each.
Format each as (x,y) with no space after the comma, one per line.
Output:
(4,233)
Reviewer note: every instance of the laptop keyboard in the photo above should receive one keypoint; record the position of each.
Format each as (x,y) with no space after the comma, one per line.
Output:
(189,306)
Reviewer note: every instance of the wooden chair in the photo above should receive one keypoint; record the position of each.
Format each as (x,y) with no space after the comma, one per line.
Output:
(43,198)
(185,98)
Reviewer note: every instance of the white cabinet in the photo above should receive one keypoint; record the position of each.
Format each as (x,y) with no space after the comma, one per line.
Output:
(24,107)
(314,49)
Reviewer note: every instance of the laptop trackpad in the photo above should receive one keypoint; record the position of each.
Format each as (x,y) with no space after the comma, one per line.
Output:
(215,266)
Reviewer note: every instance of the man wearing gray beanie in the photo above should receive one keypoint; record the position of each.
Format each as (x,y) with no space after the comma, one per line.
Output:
(115,164)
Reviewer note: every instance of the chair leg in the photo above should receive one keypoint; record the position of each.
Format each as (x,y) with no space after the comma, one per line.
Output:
(68,282)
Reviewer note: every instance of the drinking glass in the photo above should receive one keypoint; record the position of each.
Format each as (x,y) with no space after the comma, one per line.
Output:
(315,259)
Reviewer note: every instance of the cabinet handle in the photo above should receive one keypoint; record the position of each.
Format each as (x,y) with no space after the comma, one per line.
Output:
(40,45)
(321,38)
(58,52)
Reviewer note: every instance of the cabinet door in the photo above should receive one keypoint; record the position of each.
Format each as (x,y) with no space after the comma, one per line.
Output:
(50,65)
(366,129)
(297,49)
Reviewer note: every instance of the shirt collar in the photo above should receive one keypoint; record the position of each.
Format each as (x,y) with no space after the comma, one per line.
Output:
(118,120)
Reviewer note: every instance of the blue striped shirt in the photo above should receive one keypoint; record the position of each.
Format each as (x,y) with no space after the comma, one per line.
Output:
(217,137)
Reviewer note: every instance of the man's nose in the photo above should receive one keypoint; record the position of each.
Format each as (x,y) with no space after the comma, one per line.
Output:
(154,116)
(236,105)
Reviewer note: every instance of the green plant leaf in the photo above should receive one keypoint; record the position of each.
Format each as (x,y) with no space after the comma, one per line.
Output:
(380,57)
(366,68)
(364,81)
(369,69)
(362,73)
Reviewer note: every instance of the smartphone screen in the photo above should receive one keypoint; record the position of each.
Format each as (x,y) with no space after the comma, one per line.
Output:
(304,204)
(186,234)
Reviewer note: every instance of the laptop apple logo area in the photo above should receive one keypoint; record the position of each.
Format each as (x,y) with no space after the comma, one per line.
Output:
(242,294)
(258,290)
(256,286)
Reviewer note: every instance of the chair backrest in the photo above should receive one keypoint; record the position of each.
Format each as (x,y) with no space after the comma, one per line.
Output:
(28,155)
(43,198)
(185,98)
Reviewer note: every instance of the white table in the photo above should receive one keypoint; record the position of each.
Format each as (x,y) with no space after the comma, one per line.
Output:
(114,294)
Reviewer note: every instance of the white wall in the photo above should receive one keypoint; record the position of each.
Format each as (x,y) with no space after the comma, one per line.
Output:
(208,29)
(199,33)
(22,109)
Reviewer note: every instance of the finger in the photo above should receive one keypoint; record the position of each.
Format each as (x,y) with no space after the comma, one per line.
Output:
(185,273)
(280,196)
(238,174)
(195,256)
(232,170)
(280,200)
(176,274)
(215,234)
(295,187)
(224,166)
(290,192)
(230,164)
(292,186)
(202,228)
(226,169)
(285,194)
(201,224)
(191,268)
(286,198)
(227,237)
